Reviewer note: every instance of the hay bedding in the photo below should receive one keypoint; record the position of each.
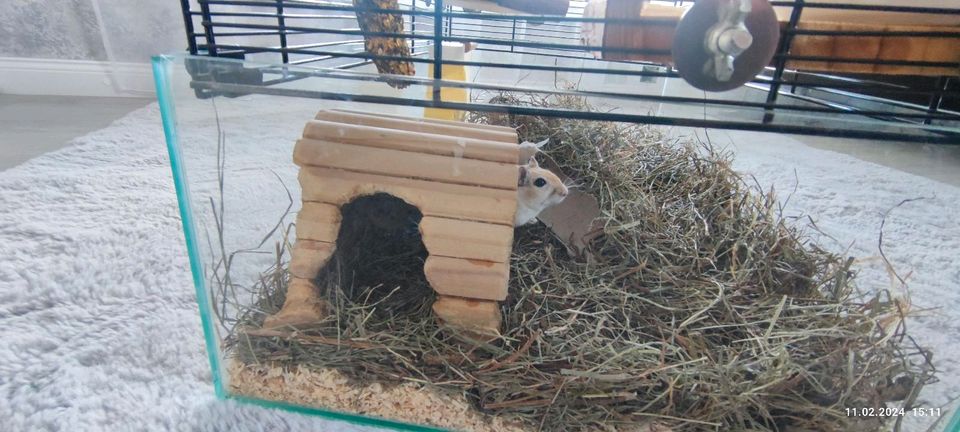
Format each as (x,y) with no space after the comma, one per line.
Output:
(696,308)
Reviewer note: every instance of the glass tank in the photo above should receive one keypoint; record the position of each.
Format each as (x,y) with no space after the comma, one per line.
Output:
(541,255)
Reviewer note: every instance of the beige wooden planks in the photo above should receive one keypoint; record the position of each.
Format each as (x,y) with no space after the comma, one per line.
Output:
(467,278)
(417,125)
(395,139)
(442,122)
(481,317)
(405,164)
(308,257)
(318,221)
(465,239)
(339,187)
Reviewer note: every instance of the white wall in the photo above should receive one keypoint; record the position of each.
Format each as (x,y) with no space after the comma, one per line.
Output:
(71,29)
(49,29)
(85,47)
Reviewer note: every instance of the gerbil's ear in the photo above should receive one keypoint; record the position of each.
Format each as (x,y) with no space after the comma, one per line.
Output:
(532,163)
(540,144)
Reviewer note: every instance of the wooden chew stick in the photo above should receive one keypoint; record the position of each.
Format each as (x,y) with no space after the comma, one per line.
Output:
(413,125)
(406,164)
(467,278)
(395,139)
(432,198)
(465,239)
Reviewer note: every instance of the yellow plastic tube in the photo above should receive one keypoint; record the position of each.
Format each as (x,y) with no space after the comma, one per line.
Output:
(456,52)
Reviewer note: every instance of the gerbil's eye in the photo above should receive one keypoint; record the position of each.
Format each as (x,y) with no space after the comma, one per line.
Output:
(540,182)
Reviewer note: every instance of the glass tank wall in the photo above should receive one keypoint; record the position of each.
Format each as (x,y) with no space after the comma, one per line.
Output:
(355,259)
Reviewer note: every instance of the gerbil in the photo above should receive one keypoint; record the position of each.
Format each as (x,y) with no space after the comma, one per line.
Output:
(537,189)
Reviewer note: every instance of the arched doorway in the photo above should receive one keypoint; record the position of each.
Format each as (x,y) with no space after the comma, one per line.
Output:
(379,257)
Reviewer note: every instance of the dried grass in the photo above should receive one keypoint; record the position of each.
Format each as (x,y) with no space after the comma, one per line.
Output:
(699,308)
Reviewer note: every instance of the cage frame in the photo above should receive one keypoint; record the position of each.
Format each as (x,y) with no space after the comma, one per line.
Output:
(779,82)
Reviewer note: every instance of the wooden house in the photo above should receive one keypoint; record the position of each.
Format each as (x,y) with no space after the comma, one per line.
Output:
(461,176)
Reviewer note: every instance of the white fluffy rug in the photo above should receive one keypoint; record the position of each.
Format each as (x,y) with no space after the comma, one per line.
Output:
(99,323)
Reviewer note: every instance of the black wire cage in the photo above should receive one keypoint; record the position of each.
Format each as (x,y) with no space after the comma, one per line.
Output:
(849,103)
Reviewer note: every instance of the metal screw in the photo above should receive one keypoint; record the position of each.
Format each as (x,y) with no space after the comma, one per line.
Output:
(735,41)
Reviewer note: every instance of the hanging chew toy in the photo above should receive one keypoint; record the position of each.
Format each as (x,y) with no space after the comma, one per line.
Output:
(372,22)
(721,45)
(692,37)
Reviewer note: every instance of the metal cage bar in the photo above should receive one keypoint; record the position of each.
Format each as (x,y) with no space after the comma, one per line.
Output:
(780,59)
(281,24)
(548,41)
